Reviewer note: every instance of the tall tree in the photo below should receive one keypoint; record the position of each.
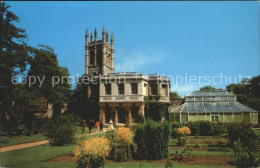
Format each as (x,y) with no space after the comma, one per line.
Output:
(14,57)
(51,80)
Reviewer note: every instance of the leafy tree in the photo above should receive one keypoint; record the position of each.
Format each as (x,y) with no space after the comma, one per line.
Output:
(174,95)
(55,86)
(14,57)
(248,92)
(207,88)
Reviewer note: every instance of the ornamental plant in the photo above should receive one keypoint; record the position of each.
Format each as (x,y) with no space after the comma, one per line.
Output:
(125,134)
(121,143)
(184,131)
(92,153)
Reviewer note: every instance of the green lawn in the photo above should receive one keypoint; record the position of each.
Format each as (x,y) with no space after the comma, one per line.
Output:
(7,141)
(36,155)
(121,165)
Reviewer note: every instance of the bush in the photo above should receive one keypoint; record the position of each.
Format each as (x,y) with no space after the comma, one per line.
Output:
(92,153)
(60,131)
(175,127)
(121,143)
(245,144)
(169,163)
(152,139)
(217,129)
(194,127)
(184,131)
(243,158)
(181,141)
(221,149)
(197,145)
(205,128)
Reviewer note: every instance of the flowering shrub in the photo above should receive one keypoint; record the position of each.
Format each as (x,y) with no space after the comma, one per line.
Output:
(125,134)
(183,131)
(121,143)
(92,153)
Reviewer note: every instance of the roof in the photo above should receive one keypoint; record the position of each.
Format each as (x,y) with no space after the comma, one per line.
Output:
(214,101)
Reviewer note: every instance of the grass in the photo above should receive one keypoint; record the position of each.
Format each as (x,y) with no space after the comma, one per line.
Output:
(205,153)
(29,157)
(7,141)
(121,165)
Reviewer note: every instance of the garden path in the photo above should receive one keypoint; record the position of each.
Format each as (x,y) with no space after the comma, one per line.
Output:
(31,144)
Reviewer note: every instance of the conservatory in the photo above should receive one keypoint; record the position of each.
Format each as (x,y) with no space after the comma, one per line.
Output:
(215,106)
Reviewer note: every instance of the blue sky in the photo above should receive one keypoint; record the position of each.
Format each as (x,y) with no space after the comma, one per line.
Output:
(169,38)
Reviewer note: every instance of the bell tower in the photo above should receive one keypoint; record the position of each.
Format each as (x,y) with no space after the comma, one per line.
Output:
(99,54)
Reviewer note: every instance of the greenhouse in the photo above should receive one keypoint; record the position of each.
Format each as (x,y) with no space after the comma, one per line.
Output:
(215,106)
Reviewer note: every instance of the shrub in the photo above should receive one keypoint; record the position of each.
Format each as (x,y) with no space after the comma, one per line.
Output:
(152,139)
(124,142)
(194,127)
(217,129)
(205,128)
(197,146)
(181,141)
(169,163)
(60,131)
(121,143)
(243,158)
(92,153)
(184,131)
(245,144)
(175,127)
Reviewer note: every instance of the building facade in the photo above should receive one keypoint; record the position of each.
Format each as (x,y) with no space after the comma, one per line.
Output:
(214,106)
(119,96)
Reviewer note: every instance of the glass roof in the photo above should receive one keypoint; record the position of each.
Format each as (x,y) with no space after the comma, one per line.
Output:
(214,96)
(215,107)
(216,101)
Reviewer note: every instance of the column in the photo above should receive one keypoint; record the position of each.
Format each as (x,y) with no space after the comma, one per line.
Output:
(141,111)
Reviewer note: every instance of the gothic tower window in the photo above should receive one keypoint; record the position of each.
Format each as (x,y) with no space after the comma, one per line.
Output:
(92,58)
(99,57)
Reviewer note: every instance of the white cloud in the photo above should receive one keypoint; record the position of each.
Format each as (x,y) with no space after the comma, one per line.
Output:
(138,60)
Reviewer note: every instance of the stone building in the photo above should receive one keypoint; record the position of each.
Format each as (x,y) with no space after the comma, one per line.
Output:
(214,106)
(119,96)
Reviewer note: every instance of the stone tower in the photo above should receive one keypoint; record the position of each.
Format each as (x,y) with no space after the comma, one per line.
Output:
(99,54)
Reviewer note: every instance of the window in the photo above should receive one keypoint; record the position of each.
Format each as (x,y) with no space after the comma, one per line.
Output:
(92,57)
(121,88)
(214,118)
(154,89)
(134,88)
(108,89)
(121,115)
(164,90)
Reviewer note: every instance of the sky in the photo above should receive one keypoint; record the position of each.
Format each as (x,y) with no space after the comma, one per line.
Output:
(217,42)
